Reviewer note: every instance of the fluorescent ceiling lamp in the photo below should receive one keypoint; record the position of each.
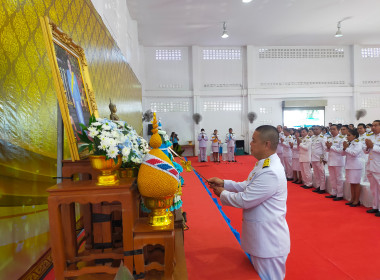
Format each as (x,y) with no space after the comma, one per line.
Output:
(246,1)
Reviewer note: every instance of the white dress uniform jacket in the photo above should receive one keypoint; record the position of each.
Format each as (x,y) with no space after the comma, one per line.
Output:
(262,196)
(318,147)
(230,139)
(336,151)
(286,150)
(373,163)
(353,155)
(305,149)
(202,141)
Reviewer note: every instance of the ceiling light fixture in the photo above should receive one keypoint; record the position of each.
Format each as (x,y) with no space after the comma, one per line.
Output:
(338,32)
(246,1)
(224,34)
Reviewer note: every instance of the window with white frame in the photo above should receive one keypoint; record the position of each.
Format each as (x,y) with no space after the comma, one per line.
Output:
(173,106)
(219,54)
(168,54)
(209,106)
(370,52)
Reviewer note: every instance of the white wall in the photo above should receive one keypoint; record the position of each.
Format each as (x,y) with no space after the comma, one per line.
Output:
(224,89)
(123,28)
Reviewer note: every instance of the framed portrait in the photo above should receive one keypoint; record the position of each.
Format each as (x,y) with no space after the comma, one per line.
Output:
(72,82)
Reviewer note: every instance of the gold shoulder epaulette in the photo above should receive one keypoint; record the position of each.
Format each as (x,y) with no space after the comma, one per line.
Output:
(356,140)
(369,134)
(341,136)
(266,163)
(321,136)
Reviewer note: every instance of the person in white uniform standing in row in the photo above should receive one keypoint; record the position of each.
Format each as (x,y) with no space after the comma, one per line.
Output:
(215,145)
(335,163)
(352,149)
(304,148)
(364,158)
(287,153)
(317,159)
(265,232)
(202,139)
(296,158)
(279,150)
(230,140)
(372,148)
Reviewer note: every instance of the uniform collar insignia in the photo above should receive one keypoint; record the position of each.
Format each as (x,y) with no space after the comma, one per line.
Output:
(266,163)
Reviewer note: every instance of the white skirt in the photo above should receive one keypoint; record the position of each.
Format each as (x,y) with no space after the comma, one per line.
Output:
(215,149)
(353,176)
(296,164)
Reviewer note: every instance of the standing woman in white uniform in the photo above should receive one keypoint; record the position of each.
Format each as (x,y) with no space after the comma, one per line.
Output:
(296,158)
(352,149)
(215,145)
(265,232)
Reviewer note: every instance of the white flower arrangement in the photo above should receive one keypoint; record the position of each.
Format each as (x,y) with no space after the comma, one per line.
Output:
(111,138)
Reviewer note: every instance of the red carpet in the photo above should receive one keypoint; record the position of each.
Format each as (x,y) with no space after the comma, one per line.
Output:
(329,240)
(211,249)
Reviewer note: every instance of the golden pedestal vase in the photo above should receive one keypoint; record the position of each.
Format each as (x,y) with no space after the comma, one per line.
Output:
(159,216)
(107,167)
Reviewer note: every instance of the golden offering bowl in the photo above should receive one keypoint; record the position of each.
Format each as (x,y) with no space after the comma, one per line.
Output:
(159,215)
(107,167)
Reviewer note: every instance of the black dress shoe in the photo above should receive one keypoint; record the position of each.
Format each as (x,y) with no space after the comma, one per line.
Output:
(308,187)
(289,179)
(377,214)
(322,192)
(354,205)
(316,190)
(303,186)
(331,196)
(371,211)
(338,198)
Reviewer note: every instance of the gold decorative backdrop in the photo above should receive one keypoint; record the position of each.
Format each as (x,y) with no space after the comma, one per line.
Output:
(28,111)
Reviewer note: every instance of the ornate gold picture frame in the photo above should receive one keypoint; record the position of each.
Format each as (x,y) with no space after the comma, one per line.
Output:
(72,82)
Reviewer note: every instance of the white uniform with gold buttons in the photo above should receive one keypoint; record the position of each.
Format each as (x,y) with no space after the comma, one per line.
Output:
(373,169)
(265,232)
(364,157)
(317,155)
(280,149)
(335,164)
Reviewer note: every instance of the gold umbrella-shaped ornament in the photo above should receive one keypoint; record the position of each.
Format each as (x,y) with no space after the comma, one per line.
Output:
(157,181)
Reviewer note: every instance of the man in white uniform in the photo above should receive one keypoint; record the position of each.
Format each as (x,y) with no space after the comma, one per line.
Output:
(279,150)
(265,232)
(317,159)
(230,140)
(202,139)
(287,153)
(335,162)
(372,148)
(304,145)
(362,136)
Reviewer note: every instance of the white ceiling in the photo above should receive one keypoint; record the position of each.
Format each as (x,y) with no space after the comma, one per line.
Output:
(261,22)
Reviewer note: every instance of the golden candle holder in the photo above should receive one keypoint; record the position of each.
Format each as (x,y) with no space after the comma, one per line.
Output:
(108,169)
(128,172)
(159,216)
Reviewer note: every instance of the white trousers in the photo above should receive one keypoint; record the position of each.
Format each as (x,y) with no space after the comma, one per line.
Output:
(288,167)
(270,268)
(319,174)
(374,185)
(306,173)
(202,153)
(336,180)
(230,153)
(281,158)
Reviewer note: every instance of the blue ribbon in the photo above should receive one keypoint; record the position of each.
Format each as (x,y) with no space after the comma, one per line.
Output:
(228,221)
